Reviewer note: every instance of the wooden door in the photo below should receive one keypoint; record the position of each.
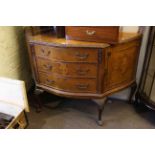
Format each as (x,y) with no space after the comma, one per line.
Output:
(121,61)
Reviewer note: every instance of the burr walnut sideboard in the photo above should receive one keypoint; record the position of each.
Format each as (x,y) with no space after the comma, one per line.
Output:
(79,69)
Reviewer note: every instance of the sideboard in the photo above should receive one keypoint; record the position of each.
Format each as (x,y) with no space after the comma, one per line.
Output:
(82,69)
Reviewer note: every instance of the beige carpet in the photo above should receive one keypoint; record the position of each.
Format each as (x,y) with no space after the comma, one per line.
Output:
(82,114)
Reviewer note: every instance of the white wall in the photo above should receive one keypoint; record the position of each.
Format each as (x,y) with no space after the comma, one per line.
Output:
(130,28)
(125,93)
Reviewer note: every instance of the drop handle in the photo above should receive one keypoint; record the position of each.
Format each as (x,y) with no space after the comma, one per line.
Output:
(47,66)
(82,86)
(45,53)
(82,56)
(50,81)
(90,33)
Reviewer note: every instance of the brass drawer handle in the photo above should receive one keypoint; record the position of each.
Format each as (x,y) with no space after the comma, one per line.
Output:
(82,86)
(82,56)
(45,53)
(90,33)
(82,72)
(47,66)
(50,81)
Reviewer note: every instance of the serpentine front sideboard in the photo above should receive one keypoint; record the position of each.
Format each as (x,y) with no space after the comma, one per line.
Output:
(80,69)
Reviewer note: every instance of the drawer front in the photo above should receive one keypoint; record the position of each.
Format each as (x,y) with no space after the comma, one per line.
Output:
(67,54)
(68,84)
(109,34)
(67,69)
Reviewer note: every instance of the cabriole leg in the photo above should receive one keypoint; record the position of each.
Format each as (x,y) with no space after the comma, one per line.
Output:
(100,111)
(100,103)
(38,104)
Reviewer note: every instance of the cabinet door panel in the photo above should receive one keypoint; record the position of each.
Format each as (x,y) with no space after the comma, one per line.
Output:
(121,66)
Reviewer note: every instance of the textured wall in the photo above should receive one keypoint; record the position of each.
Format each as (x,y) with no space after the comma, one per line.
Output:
(14,61)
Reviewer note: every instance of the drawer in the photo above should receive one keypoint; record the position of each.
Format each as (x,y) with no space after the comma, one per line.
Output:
(67,54)
(106,34)
(68,84)
(67,69)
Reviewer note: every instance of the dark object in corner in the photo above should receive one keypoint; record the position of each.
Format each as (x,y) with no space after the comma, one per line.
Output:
(144,96)
(60,31)
(5,119)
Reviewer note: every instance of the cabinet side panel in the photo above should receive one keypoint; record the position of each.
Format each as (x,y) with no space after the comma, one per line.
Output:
(122,64)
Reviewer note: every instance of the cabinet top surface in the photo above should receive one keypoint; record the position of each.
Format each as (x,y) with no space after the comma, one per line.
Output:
(51,39)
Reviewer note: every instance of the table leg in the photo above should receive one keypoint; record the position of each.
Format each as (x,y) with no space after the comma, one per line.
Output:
(38,104)
(100,103)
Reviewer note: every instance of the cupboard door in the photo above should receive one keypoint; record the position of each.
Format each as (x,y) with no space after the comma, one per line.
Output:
(121,65)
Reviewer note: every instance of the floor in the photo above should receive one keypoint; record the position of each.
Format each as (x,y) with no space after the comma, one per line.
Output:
(82,114)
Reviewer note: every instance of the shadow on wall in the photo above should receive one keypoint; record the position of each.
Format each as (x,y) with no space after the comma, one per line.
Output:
(14,62)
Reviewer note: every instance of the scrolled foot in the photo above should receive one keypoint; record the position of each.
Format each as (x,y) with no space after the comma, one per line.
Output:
(100,122)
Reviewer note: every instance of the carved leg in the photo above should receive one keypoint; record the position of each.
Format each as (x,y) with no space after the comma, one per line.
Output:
(133,89)
(38,104)
(100,111)
(100,103)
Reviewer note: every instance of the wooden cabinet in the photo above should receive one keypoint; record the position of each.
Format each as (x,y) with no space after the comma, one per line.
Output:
(81,69)
(121,62)
(94,70)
